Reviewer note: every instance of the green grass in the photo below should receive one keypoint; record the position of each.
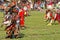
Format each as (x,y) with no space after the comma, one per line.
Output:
(36,29)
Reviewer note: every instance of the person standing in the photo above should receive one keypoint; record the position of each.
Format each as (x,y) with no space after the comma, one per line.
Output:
(21,15)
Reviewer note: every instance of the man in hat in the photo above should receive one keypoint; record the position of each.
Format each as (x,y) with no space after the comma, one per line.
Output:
(49,12)
(49,8)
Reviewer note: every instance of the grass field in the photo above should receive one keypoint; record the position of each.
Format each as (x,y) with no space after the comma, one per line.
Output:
(36,29)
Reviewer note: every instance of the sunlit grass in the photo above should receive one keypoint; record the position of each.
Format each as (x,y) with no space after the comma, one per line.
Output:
(36,29)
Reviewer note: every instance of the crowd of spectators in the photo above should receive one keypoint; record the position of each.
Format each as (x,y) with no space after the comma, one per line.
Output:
(29,4)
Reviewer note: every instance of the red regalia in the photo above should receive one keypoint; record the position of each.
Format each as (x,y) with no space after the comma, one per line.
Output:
(21,15)
(9,29)
(59,18)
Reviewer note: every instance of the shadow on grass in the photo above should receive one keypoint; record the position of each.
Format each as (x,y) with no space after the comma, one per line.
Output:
(19,36)
(55,23)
